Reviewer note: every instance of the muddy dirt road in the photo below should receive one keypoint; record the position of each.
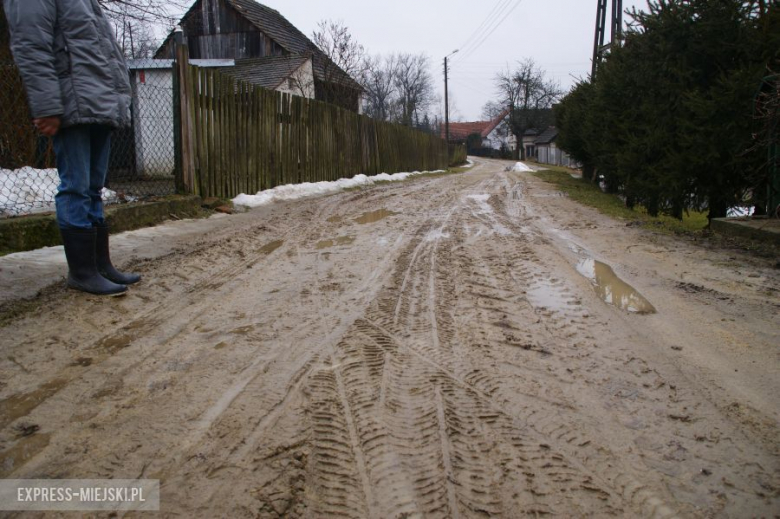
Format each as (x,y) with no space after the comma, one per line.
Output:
(430,348)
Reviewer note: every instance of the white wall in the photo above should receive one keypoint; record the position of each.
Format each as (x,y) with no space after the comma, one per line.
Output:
(302,84)
(153,116)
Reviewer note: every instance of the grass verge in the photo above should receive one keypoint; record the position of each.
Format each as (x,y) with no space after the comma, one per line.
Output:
(591,195)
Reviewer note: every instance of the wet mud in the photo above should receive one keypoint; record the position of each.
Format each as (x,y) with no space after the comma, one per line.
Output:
(325,358)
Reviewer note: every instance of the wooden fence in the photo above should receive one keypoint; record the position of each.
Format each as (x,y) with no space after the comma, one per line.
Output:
(240,138)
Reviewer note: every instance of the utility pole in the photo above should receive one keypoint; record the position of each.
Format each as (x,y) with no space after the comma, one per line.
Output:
(599,49)
(447,100)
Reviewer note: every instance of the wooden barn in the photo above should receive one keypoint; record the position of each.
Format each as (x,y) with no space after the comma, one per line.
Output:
(245,29)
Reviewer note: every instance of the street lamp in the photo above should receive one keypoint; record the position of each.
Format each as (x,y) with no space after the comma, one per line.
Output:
(446,100)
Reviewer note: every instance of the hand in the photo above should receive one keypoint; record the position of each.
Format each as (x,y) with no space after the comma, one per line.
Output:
(48,126)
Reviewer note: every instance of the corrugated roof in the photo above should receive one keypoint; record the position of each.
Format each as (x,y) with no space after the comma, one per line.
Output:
(547,136)
(269,72)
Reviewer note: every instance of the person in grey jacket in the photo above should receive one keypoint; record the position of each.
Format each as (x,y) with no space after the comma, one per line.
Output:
(78,90)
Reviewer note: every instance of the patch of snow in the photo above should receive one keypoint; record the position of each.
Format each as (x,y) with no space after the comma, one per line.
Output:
(28,190)
(521,167)
(436,234)
(735,212)
(296,191)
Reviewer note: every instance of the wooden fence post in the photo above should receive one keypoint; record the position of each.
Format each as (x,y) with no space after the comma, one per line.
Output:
(184,97)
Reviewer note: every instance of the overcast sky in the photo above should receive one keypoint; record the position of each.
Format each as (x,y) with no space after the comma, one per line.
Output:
(557,34)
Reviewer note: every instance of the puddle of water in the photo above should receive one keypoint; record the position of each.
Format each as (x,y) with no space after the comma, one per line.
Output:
(268,248)
(22,452)
(612,289)
(545,294)
(375,216)
(113,344)
(18,406)
(341,240)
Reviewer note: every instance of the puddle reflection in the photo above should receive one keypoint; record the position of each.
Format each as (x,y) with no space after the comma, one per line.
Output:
(375,216)
(612,289)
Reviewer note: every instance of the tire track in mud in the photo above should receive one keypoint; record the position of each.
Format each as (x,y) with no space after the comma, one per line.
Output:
(452,380)
(154,321)
(246,445)
(435,351)
(372,379)
(639,381)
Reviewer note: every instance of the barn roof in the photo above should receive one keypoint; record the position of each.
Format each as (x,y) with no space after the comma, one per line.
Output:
(286,35)
(278,28)
(268,72)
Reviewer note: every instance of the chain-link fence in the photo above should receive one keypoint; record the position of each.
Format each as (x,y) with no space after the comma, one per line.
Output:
(142,156)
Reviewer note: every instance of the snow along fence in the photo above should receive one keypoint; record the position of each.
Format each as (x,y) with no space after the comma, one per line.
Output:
(237,138)
(141,164)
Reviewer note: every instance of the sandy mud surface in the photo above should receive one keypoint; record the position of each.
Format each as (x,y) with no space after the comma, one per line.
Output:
(471,345)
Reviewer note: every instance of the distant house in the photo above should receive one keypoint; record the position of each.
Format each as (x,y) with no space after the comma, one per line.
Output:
(493,133)
(547,151)
(267,49)
(529,139)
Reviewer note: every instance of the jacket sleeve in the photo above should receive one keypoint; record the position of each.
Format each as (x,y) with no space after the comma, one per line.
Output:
(31,25)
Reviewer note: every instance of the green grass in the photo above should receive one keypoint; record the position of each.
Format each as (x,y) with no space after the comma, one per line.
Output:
(589,194)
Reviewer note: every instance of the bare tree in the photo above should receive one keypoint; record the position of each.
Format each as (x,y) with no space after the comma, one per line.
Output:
(139,24)
(414,84)
(335,40)
(379,83)
(155,12)
(529,95)
(137,39)
(344,64)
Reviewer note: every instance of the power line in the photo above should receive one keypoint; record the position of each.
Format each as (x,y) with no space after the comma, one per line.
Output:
(487,34)
(491,14)
(475,90)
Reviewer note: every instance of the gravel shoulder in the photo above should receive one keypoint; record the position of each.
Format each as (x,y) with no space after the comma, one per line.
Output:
(425,348)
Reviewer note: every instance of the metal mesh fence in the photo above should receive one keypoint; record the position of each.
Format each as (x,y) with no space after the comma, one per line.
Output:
(141,164)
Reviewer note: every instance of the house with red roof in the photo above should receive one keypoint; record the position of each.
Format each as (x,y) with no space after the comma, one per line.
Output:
(494,133)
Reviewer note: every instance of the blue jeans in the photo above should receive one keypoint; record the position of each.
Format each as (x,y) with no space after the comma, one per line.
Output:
(82,162)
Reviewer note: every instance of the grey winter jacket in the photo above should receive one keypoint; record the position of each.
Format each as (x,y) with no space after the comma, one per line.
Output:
(70,62)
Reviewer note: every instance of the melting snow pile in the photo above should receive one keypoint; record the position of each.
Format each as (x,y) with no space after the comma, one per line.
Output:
(736,212)
(521,167)
(29,190)
(295,191)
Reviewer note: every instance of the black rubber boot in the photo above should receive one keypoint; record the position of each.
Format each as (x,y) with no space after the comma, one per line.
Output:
(103,259)
(82,269)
